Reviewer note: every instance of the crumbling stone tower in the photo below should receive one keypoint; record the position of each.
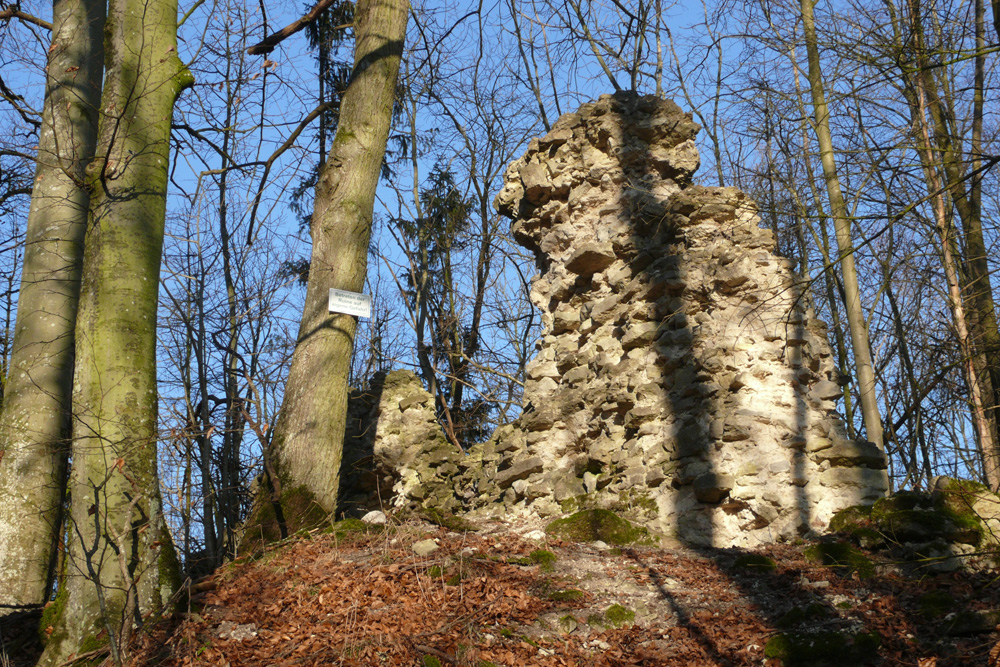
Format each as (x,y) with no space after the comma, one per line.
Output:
(681,375)
(680,371)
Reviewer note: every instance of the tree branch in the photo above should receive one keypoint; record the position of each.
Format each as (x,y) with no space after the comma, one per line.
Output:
(10,194)
(17,102)
(12,13)
(274,156)
(268,44)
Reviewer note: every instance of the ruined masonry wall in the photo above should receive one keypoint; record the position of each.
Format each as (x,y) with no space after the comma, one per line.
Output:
(680,372)
(681,376)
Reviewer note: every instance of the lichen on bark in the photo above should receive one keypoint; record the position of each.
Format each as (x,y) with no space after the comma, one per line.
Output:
(116,560)
(307,448)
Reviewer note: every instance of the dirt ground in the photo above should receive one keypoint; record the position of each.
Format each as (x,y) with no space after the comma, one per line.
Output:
(495,597)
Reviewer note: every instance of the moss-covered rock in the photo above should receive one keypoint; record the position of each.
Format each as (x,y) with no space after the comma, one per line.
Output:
(910,516)
(568,595)
(598,524)
(842,556)
(568,623)
(956,517)
(614,616)
(545,559)
(347,528)
(856,523)
(823,648)
(971,507)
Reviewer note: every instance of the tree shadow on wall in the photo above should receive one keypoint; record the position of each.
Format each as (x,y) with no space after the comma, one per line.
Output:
(734,368)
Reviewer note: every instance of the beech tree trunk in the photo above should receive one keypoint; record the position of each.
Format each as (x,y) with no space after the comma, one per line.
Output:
(120,557)
(978,332)
(842,227)
(35,421)
(308,441)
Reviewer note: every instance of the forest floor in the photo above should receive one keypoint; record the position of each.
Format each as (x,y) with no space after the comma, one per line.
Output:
(497,598)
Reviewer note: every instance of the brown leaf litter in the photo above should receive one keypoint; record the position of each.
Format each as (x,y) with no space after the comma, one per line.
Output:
(483,599)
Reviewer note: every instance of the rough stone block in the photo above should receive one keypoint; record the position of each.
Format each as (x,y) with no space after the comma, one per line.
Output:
(521,469)
(853,453)
(590,258)
(712,487)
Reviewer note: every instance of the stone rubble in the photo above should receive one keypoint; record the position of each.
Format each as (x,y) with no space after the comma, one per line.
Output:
(395,454)
(681,376)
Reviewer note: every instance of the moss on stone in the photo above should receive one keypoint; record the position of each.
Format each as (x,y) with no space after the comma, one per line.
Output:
(447,520)
(947,515)
(822,648)
(849,517)
(639,498)
(616,616)
(430,661)
(842,556)
(598,524)
(568,595)
(910,516)
(575,503)
(348,528)
(956,498)
(856,523)
(568,623)
(544,559)
(52,612)
(758,562)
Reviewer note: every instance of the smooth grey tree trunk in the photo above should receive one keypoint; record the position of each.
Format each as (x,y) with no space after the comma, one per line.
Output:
(35,421)
(842,226)
(308,440)
(119,555)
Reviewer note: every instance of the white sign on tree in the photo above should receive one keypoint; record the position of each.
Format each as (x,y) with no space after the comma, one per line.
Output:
(350,303)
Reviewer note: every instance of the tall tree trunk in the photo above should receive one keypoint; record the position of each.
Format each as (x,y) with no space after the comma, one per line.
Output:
(842,227)
(35,423)
(119,553)
(977,328)
(308,441)
(823,244)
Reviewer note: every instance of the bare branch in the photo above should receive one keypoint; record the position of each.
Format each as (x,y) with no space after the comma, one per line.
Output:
(274,156)
(14,13)
(268,44)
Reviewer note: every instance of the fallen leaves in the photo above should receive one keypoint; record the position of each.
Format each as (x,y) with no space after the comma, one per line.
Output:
(371,602)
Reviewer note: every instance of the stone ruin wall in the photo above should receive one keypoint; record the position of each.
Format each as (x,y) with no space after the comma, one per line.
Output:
(681,374)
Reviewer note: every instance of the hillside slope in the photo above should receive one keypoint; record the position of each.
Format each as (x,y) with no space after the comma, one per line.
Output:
(494,597)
